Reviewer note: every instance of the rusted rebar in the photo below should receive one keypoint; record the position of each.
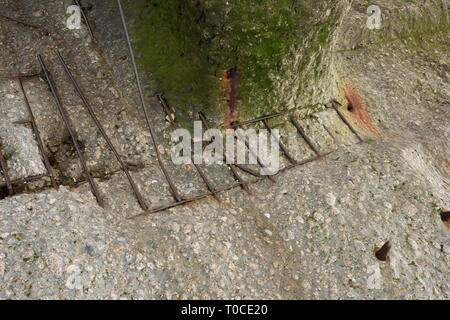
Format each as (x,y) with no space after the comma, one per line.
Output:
(166,109)
(185,201)
(26,179)
(20,22)
(86,21)
(71,132)
(243,123)
(20,76)
(34,126)
(282,147)
(241,181)
(248,170)
(333,103)
(103,133)
(197,167)
(172,205)
(304,136)
(173,189)
(6,174)
(21,122)
(253,153)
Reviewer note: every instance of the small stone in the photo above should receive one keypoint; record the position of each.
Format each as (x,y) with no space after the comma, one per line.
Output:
(187,229)
(253,266)
(89,249)
(330,199)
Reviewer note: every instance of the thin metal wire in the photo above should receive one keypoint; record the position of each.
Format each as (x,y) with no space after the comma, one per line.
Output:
(173,189)
(86,21)
(105,136)
(258,160)
(20,22)
(27,179)
(333,105)
(199,170)
(240,124)
(71,132)
(19,76)
(282,147)
(304,136)
(32,121)
(241,181)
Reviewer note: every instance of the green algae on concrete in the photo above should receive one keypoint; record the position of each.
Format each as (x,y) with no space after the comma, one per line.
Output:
(186,45)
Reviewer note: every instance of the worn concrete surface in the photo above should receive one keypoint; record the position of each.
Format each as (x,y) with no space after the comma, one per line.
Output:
(312,235)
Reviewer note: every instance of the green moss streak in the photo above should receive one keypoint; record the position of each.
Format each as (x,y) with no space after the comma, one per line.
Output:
(187,53)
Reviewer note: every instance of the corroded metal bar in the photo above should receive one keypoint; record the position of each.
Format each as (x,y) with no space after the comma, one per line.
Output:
(185,201)
(333,105)
(71,132)
(248,170)
(103,132)
(19,76)
(38,136)
(199,170)
(20,22)
(173,189)
(166,108)
(5,173)
(240,137)
(239,124)
(304,136)
(172,205)
(27,179)
(231,166)
(299,163)
(282,147)
(86,21)
(26,121)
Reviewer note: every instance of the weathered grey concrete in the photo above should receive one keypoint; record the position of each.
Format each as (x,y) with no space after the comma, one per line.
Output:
(310,236)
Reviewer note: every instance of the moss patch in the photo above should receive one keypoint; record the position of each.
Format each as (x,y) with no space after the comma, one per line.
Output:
(187,44)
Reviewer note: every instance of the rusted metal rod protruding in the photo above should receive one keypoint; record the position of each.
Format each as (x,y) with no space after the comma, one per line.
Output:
(20,22)
(242,183)
(199,170)
(239,124)
(103,132)
(5,174)
(282,147)
(26,179)
(86,21)
(19,76)
(258,160)
(333,105)
(304,136)
(71,132)
(185,201)
(248,170)
(34,126)
(166,108)
(173,189)
(26,121)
